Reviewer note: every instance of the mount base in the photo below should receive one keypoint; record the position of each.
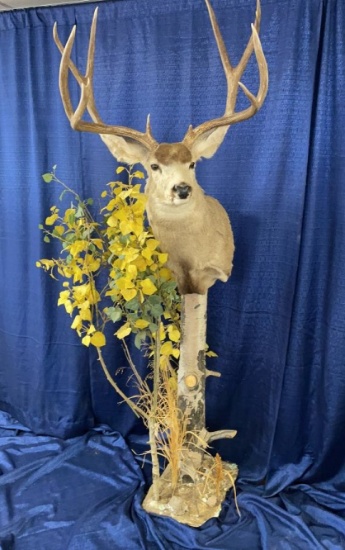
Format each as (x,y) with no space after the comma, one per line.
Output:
(198,497)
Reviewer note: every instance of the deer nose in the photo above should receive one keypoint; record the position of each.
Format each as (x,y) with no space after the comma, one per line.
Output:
(182,190)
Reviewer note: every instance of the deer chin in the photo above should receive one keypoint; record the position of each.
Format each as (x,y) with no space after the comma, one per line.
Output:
(176,201)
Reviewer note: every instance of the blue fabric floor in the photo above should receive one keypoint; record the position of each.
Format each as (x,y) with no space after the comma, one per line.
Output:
(85,494)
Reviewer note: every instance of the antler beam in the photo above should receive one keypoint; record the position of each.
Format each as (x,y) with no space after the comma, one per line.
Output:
(233,76)
(87,101)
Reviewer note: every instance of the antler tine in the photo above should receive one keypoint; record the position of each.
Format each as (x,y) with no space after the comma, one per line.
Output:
(63,75)
(86,101)
(77,75)
(219,40)
(233,76)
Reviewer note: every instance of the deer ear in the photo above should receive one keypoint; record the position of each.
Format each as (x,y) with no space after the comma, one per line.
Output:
(125,150)
(207,144)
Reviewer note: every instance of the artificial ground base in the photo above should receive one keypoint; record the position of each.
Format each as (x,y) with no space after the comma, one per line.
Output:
(193,502)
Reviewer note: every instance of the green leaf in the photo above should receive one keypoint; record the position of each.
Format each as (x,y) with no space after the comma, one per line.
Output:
(62,194)
(153,327)
(114,313)
(80,211)
(140,337)
(46,239)
(89,202)
(153,300)
(168,286)
(47,177)
(40,226)
(133,304)
(157,311)
(70,237)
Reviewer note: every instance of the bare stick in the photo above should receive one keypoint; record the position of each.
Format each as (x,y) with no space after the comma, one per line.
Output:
(153,418)
(137,410)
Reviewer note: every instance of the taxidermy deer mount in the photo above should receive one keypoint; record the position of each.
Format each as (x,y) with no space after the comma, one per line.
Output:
(192,228)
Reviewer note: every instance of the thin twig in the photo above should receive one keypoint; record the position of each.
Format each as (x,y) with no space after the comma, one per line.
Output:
(137,411)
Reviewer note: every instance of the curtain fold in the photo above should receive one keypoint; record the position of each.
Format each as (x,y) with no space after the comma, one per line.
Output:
(278,324)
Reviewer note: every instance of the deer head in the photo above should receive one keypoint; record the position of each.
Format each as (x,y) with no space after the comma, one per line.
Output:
(172,188)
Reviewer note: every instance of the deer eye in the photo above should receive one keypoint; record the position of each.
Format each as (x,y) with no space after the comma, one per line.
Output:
(154,167)
(192,165)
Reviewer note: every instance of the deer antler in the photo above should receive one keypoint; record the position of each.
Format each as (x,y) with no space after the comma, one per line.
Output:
(233,76)
(87,101)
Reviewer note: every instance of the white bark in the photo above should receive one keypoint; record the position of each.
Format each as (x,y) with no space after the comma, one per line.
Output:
(192,368)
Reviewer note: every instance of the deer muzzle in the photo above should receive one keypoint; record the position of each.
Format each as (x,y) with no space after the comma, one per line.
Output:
(182,190)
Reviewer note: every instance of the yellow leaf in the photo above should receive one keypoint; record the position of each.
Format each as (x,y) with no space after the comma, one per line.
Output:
(104,194)
(131,254)
(45,263)
(152,244)
(174,333)
(111,205)
(112,221)
(126,193)
(86,315)
(69,212)
(98,243)
(136,190)
(78,246)
(141,323)
(77,274)
(63,297)
(51,219)
(148,287)
(127,226)
(211,354)
(112,292)
(141,263)
(176,353)
(165,273)
(163,258)
(138,174)
(120,169)
(77,323)
(92,264)
(69,306)
(82,293)
(59,230)
(91,329)
(124,283)
(86,340)
(128,293)
(132,271)
(161,332)
(124,331)
(98,339)
(167,348)
(147,254)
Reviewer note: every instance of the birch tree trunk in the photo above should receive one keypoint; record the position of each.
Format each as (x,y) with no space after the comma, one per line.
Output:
(192,366)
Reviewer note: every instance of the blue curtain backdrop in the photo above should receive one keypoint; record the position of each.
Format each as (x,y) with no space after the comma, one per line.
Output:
(69,480)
